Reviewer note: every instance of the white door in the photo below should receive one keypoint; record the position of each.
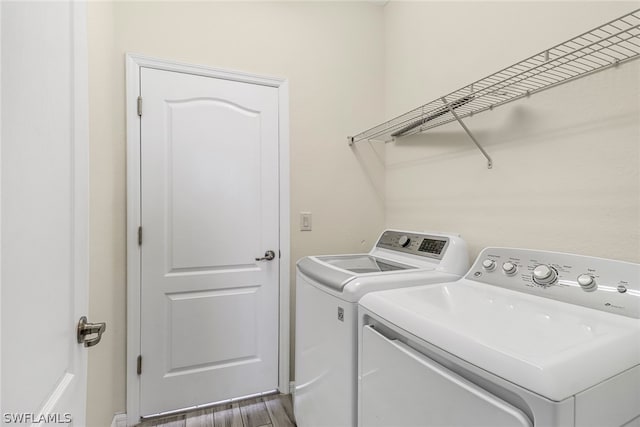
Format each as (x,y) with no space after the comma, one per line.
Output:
(44,258)
(209,208)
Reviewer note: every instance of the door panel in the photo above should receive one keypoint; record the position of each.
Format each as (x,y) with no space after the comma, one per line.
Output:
(209,187)
(401,387)
(219,313)
(44,210)
(205,185)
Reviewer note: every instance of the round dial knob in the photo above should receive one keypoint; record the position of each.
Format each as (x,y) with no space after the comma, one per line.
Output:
(544,275)
(509,268)
(404,241)
(489,264)
(587,282)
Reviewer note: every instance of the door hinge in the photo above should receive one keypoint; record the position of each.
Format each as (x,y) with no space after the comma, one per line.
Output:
(139,236)
(140,106)
(139,366)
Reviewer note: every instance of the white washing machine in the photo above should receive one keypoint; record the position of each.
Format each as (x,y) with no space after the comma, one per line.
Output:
(526,338)
(327,292)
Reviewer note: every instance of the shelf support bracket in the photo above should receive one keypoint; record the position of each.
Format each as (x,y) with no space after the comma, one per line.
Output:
(466,129)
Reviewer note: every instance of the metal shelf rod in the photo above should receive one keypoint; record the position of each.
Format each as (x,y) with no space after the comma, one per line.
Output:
(466,129)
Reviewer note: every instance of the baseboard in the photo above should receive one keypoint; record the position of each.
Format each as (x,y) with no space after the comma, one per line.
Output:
(119,420)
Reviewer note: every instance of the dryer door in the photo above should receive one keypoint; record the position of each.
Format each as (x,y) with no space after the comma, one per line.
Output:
(401,387)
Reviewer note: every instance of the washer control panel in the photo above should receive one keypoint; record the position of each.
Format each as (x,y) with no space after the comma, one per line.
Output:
(602,284)
(414,243)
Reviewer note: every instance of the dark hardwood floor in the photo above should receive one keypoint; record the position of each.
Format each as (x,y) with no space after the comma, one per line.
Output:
(274,410)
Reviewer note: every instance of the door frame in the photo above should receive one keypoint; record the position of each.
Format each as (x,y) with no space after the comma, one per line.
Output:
(134,63)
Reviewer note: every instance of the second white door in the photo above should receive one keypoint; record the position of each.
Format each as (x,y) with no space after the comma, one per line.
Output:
(44,245)
(209,208)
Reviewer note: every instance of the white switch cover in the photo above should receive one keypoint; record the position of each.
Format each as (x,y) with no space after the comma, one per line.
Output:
(305,221)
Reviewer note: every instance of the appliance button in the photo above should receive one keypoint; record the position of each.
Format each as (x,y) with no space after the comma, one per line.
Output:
(404,241)
(509,268)
(489,264)
(544,275)
(587,282)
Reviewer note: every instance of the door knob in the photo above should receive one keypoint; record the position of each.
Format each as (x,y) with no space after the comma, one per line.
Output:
(268,256)
(85,328)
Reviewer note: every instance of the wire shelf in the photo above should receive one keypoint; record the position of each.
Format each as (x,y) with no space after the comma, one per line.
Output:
(608,45)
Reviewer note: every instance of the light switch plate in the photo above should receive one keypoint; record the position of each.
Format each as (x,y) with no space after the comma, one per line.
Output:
(305,221)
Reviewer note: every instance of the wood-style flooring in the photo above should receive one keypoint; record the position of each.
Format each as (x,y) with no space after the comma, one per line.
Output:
(274,410)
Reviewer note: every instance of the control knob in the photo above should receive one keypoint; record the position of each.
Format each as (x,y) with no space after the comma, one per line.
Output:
(489,264)
(509,268)
(587,282)
(544,275)
(404,241)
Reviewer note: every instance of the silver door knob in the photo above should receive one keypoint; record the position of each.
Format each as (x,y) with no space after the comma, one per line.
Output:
(268,256)
(85,328)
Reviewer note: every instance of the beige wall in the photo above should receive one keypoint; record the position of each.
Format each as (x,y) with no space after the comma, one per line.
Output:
(566,161)
(332,55)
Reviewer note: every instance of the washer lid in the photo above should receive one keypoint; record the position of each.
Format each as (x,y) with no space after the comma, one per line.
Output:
(360,264)
(335,271)
(552,348)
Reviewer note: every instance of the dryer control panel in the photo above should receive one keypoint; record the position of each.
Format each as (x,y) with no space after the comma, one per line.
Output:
(602,284)
(427,245)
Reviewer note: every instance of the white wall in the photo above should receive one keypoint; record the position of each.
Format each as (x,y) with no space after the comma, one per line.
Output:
(332,55)
(566,161)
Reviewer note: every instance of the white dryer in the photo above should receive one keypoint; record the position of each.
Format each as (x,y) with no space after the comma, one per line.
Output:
(526,338)
(327,292)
